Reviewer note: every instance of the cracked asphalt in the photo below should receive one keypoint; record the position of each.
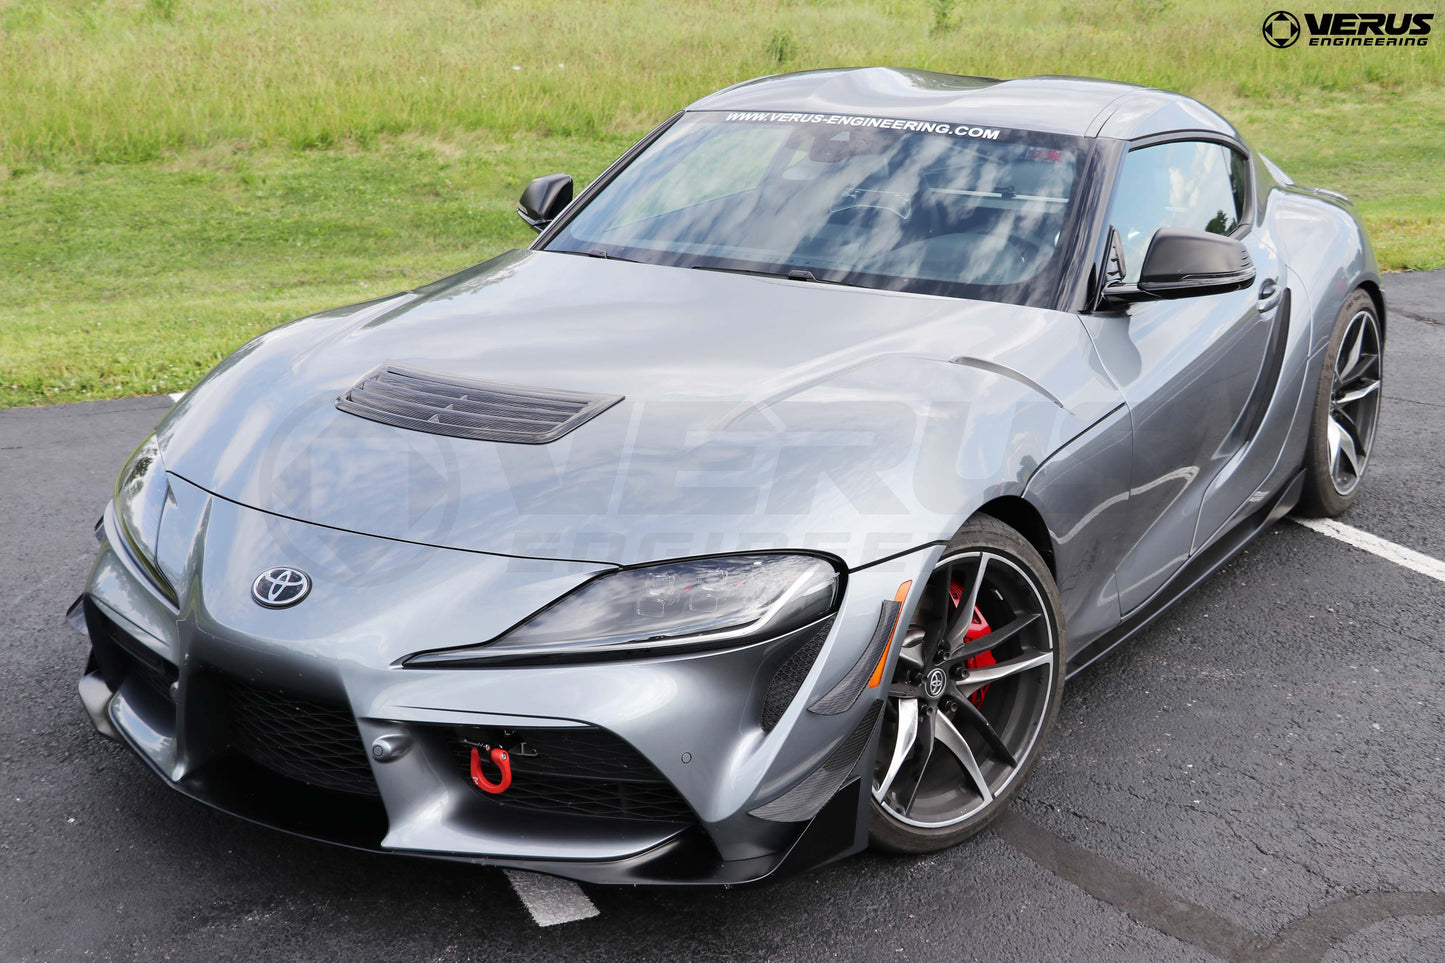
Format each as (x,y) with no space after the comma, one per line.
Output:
(1257,776)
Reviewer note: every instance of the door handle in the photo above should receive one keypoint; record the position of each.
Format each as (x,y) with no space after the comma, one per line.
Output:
(1270,294)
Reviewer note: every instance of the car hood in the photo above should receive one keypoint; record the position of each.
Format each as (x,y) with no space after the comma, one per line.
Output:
(757,413)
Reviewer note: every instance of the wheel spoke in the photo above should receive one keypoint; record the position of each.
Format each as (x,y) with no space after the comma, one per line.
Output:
(1358,370)
(978,678)
(1342,443)
(960,618)
(1355,394)
(985,728)
(954,742)
(1351,347)
(911,652)
(994,638)
(1333,434)
(965,609)
(1351,428)
(924,742)
(902,746)
(939,604)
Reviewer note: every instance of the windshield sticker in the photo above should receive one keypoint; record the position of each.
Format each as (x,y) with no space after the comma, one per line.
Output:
(882,123)
(1045,154)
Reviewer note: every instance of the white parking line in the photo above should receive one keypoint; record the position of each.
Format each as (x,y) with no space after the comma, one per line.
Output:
(1399,554)
(177,396)
(551,900)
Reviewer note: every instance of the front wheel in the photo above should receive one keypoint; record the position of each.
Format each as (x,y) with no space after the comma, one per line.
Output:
(974,694)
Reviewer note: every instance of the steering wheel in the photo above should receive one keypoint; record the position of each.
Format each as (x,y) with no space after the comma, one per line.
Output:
(861,214)
(1028,250)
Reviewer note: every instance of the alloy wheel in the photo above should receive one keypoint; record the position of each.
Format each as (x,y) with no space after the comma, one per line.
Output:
(1354,402)
(970,694)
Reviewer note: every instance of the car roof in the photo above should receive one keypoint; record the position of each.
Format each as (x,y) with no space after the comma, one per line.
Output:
(1078,106)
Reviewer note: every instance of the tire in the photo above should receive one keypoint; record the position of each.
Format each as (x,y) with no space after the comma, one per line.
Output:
(1342,431)
(924,795)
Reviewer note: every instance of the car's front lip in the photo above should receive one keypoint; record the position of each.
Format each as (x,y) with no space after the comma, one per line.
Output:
(693,717)
(686,856)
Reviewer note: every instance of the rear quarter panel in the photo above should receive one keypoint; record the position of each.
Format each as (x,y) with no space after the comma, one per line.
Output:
(1326,248)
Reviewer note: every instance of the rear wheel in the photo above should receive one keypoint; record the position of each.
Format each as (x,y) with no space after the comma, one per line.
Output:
(1346,412)
(974,694)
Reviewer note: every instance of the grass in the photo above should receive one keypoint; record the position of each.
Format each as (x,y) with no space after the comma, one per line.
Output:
(178,175)
(136,279)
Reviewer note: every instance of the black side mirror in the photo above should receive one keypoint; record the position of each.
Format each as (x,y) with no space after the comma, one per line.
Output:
(544,199)
(1186,264)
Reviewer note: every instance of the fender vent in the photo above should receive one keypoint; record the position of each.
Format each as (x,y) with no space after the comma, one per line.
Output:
(443,405)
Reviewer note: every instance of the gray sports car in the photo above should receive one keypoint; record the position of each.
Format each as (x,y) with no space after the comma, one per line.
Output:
(760,509)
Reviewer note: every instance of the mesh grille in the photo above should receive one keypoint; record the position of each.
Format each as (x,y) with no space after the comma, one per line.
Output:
(443,405)
(790,675)
(582,771)
(306,741)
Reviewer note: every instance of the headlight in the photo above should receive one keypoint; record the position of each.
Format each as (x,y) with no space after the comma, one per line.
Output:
(702,603)
(140,497)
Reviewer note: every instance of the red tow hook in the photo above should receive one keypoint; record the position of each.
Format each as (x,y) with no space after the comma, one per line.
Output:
(502,761)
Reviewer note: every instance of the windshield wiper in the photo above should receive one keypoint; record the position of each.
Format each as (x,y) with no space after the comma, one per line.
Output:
(792,274)
(798,274)
(599,252)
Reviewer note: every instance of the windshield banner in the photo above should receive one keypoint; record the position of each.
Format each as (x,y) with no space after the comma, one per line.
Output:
(882,123)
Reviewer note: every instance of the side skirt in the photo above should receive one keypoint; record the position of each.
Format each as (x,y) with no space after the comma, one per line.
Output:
(1197,569)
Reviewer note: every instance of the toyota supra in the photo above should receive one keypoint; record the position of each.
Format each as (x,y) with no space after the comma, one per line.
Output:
(757,512)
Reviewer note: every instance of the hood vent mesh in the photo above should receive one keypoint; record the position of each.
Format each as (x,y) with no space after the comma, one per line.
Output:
(443,405)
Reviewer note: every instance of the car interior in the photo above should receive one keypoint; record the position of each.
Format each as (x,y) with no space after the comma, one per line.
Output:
(916,205)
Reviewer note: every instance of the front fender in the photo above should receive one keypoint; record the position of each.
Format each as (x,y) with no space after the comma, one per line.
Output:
(976,429)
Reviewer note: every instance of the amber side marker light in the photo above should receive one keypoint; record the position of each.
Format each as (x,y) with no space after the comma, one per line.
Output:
(877,677)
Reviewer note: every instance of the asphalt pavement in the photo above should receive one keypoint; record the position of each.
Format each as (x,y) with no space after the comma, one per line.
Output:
(1257,776)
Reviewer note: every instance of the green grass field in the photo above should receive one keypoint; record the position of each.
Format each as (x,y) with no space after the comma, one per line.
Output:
(178,175)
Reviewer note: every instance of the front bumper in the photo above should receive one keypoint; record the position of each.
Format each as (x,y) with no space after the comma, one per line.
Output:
(642,771)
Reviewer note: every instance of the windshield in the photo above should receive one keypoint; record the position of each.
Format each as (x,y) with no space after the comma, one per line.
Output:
(935,208)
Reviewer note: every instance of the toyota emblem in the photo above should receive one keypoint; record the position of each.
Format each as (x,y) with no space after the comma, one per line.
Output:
(279,587)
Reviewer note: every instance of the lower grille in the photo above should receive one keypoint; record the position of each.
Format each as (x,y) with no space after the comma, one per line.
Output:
(306,741)
(582,771)
(121,656)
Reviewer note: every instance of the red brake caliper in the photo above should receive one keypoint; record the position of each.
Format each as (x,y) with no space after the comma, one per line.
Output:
(977,628)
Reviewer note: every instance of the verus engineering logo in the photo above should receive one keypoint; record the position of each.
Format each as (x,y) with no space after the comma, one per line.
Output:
(1282,29)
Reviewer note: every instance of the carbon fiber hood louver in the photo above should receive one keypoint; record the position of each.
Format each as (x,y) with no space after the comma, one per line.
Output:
(480,410)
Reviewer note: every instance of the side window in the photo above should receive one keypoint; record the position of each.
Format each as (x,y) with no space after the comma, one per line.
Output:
(1239,181)
(1189,184)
